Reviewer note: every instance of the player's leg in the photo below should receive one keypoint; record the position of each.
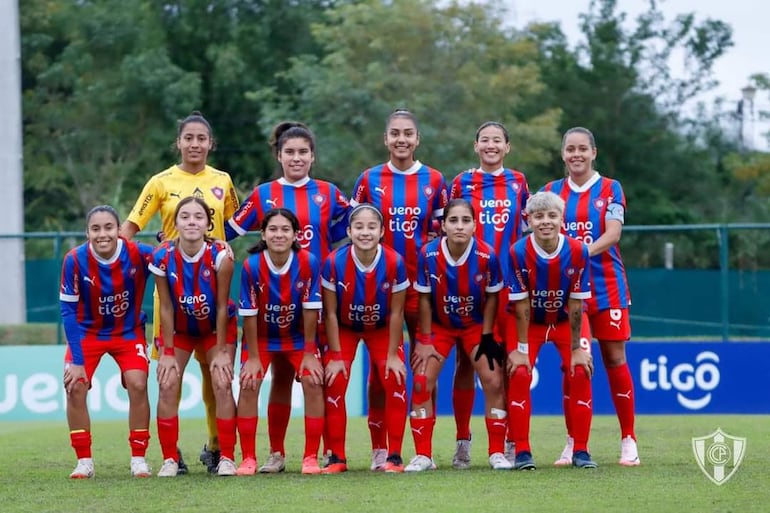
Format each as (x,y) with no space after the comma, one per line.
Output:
(463,393)
(395,399)
(335,406)
(78,418)
(131,357)
(313,394)
(278,412)
(225,410)
(210,454)
(167,417)
(376,418)
(520,403)
(248,417)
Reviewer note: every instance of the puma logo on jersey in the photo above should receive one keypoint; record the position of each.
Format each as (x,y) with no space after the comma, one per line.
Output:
(627,395)
(261,287)
(401,396)
(615,324)
(175,194)
(587,404)
(173,275)
(334,400)
(470,186)
(517,404)
(436,277)
(272,202)
(90,280)
(381,190)
(344,285)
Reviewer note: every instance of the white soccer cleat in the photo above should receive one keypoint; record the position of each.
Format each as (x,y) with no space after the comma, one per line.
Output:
(510,452)
(498,461)
(379,458)
(565,460)
(629,453)
(275,463)
(169,468)
(226,467)
(139,467)
(84,469)
(462,457)
(420,463)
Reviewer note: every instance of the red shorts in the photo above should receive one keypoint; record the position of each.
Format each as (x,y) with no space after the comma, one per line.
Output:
(560,334)
(377,342)
(267,357)
(612,325)
(129,354)
(190,343)
(444,339)
(505,326)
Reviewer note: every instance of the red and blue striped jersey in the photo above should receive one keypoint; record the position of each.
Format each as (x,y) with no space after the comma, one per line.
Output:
(364,292)
(459,287)
(278,297)
(587,209)
(499,199)
(319,206)
(108,293)
(409,201)
(549,280)
(192,283)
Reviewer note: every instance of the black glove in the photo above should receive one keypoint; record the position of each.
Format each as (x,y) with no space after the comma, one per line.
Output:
(491,349)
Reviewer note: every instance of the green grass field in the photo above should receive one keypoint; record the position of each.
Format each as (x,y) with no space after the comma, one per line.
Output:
(668,480)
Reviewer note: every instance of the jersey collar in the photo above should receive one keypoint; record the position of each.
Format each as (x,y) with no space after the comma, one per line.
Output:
(112,259)
(278,270)
(413,169)
(366,268)
(297,184)
(543,253)
(582,188)
(463,258)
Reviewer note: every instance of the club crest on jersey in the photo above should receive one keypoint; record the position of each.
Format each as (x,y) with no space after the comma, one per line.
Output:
(299,285)
(197,193)
(218,192)
(599,203)
(206,273)
(385,286)
(570,271)
(318,199)
(515,186)
(132,272)
(479,277)
(428,191)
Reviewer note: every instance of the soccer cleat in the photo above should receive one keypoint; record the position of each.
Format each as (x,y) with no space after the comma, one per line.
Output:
(566,455)
(169,468)
(498,461)
(139,467)
(335,465)
(581,459)
(462,457)
(510,452)
(524,461)
(310,465)
(226,467)
(248,467)
(394,464)
(275,463)
(182,466)
(420,463)
(210,459)
(379,458)
(629,454)
(84,469)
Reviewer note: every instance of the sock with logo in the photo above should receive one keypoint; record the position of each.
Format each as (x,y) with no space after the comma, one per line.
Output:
(497,427)
(581,408)
(622,390)
(168,436)
(80,439)
(519,409)
(336,415)
(395,411)
(138,440)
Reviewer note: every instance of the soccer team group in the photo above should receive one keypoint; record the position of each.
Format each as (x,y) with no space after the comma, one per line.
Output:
(451,262)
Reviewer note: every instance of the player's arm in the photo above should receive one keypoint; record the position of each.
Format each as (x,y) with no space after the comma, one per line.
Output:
(396,337)
(167,361)
(252,371)
(221,365)
(145,207)
(424,349)
(519,356)
(487,345)
(613,229)
(580,357)
(335,364)
(310,361)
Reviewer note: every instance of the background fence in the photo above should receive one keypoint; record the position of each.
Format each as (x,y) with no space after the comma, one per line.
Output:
(696,282)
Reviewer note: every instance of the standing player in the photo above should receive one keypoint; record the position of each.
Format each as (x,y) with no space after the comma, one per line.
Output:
(410,196)
(322,211)
(548,276)
(102,286)
(193,276)
(498,195)
(458,279)
(364,288)
(595,213)
(280,300)
(162,193)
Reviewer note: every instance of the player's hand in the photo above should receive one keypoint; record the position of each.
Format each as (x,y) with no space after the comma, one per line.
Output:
(491,349)
(221,367)
(421,354)
(517,359)
(333,368)
(166,366)
(74,374)
(251,374)
(582,358)
(312,365)
(396,366)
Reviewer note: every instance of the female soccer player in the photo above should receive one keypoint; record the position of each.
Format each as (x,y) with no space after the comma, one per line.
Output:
(595,213)
(193,275)
(102,286)
(162,193)
(411,196)
(458,279)
(499,196)
(548,277)
(322,211)
(280,302)
(364,288)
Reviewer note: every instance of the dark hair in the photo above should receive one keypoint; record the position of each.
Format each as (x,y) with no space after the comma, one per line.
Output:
(401,113)
(270,214)
(286,130)
(459,202)
(365,206)
(102,208)
(578,130)
(199,201)
(495,124)
(194,117)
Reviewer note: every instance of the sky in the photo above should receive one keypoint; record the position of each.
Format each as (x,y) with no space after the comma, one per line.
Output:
(749,20)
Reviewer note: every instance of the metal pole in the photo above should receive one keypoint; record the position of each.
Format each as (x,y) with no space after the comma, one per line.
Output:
(724,274)
(13,300)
